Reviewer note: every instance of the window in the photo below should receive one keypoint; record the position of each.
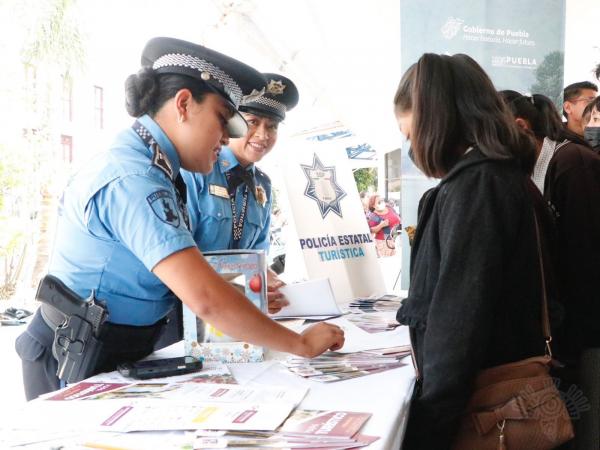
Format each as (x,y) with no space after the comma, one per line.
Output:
(67,98)
(99,107)
(66,142)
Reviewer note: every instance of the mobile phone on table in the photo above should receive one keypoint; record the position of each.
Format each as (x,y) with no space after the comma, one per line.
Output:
(156,368)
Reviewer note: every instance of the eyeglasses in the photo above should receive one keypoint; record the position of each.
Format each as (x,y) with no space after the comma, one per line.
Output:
(582,99)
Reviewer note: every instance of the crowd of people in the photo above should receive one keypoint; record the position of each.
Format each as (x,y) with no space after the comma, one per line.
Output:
(513,223)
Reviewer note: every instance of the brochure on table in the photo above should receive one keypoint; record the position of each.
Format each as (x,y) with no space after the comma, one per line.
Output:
(309,299)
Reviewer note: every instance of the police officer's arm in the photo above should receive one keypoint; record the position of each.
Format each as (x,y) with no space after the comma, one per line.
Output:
(194,281)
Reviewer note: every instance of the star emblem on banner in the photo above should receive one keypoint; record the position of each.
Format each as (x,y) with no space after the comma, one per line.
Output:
(322,187)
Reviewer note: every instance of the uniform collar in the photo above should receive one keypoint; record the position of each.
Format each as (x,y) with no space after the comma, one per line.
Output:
(228,161)
(163,142)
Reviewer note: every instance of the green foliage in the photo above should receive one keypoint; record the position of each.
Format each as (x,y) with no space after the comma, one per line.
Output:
(549,76)
(365,178)
(55,37)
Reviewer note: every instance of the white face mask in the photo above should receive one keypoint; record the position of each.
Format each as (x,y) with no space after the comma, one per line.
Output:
(381,205)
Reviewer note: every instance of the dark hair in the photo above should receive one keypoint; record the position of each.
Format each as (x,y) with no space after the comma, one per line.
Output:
(573,90)
(372,202)
(594,104)
(146,91)
(541,114)
(468,111)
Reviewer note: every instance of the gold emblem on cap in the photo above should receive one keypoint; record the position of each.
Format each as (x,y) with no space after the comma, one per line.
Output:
(253,95)
(275,87)
(205,76)
(261,196)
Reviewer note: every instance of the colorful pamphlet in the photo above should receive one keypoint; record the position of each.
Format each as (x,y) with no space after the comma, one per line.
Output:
(245,270)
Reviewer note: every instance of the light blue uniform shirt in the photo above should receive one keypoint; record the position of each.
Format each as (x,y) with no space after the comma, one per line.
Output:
(118,218)
(210,208)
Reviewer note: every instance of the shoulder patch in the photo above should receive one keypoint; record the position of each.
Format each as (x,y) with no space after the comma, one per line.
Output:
(160,160)
(164,207)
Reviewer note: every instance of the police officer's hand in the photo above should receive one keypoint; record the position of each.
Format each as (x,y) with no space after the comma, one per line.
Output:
(321,337)
(275,298)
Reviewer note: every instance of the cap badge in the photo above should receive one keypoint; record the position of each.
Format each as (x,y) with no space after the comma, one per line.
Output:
(252,96)
(205,76)
(275,87)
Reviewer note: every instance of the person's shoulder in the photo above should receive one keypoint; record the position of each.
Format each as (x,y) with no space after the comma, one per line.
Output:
(261,177)
(570,155)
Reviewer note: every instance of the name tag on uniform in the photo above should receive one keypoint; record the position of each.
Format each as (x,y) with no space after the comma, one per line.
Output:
(219,191)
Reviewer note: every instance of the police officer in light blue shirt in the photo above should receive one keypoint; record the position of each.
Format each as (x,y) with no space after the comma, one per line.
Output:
(230,207)
(123,231)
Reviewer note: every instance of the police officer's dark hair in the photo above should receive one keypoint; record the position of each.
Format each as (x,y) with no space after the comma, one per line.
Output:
(542,115)
(573,90)
(468,111)
(146,91)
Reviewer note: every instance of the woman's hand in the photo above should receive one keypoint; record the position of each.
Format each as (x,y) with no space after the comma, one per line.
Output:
(321,337)
(275,298)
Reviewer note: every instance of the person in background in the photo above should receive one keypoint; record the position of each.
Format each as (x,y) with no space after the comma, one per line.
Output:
(591,122)
(123,227)
(382,219)
(576,97)
(364,200)
(475,293)
(568,174)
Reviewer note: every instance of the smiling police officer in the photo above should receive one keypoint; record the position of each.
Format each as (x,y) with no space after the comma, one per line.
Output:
(123,230)
(230,207)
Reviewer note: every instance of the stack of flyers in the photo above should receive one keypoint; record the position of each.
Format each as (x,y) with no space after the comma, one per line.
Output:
(373,323)
(331,366)
(304,429)
(376,304)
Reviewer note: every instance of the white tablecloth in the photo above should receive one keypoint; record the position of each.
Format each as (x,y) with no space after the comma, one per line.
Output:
(386,394)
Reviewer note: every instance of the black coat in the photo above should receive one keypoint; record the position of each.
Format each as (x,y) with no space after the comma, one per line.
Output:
(475,292)
(572,186)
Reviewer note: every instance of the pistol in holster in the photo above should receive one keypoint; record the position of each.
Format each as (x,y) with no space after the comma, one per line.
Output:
(77,323)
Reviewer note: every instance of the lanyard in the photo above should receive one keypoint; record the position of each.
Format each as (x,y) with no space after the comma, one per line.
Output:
(161,160)
(237,225)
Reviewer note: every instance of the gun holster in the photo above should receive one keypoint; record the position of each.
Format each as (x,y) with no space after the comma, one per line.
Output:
(76,323)
(76,349)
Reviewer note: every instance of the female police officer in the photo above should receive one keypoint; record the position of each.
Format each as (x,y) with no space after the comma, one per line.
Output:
(123,230)
(231,206)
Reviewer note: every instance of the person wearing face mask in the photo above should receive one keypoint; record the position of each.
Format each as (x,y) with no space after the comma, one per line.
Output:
(123,231)
(382,220)
(568,175)
(591,122)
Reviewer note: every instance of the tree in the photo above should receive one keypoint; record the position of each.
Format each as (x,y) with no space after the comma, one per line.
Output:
(549,76)
(365,178)
(41,40)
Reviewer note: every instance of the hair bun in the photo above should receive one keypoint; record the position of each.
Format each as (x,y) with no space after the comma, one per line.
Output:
(140,91)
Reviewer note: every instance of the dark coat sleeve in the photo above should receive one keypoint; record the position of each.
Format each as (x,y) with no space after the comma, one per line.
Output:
(479,221)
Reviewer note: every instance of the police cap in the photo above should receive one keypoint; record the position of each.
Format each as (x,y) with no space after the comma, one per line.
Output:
(280,95)
(222,74)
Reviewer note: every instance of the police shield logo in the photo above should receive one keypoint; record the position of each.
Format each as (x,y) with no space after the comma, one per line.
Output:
(164,207)
(322,187)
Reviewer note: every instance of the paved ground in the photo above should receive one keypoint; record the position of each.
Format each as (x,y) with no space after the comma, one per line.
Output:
(10,372)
